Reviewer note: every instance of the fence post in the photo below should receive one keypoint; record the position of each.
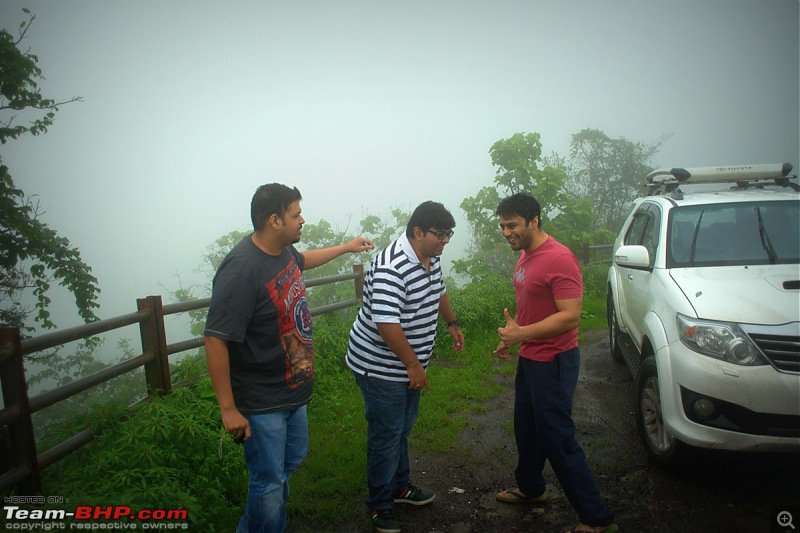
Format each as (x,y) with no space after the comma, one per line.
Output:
(154,340)
(587,254)
(15,396)
(359,281)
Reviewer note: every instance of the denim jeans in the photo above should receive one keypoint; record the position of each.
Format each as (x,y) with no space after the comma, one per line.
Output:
(277,446)
(391,410)
(544,430)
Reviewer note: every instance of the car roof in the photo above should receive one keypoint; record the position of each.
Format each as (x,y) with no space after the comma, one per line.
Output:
(736,195)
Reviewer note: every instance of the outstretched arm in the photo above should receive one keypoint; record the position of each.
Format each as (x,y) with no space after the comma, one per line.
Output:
(315,258)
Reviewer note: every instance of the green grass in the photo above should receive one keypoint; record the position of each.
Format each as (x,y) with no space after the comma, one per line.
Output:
(593,315)
(166,454)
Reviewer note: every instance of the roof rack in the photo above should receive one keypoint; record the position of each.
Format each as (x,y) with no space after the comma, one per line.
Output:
(665,180)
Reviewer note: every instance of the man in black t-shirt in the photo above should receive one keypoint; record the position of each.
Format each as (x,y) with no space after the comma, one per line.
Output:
(260,351)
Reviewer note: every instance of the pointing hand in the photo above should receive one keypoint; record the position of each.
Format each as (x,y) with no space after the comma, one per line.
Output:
(360,244)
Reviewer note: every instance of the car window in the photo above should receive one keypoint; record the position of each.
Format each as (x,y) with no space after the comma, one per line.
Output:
(634,234)
(644,230)
(734,234)
(649,236)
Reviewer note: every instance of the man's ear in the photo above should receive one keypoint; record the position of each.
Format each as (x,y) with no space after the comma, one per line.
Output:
(275,221)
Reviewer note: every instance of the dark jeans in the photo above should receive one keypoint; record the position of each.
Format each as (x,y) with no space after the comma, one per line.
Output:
(391,410)
(544,431)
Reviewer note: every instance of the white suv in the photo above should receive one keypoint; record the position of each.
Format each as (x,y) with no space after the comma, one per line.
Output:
(704,307)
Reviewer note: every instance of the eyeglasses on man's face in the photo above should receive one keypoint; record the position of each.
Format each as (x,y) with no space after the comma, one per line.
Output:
(441,235)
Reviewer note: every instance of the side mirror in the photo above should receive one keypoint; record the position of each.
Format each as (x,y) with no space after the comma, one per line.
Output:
(632,256)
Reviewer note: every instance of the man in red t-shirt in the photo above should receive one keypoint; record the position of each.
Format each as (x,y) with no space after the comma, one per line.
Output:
(549,289)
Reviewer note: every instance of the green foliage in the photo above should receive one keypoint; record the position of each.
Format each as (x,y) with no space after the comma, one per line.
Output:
(608,172)
(573,227)
(315,236)
(593,314)
(595,277)
(584,206)
(168,452)
(19,90)
(519,168)
(32,255)
(479,305)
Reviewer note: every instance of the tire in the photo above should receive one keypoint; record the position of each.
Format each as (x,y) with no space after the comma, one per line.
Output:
(664,450)
(613,330)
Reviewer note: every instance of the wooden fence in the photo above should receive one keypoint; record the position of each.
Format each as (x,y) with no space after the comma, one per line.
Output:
(589,252)
(15,419)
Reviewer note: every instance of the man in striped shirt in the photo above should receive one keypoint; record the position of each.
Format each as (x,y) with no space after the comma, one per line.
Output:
(389,349)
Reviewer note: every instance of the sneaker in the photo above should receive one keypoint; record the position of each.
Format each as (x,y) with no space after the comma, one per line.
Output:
(384,521)
(414,495)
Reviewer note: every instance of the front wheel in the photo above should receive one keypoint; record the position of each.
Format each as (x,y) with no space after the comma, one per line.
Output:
(663,449)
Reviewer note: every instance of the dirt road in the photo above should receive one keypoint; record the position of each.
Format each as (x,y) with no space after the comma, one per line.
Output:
(723,492)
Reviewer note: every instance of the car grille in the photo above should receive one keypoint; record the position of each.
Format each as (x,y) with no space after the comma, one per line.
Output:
(783,351)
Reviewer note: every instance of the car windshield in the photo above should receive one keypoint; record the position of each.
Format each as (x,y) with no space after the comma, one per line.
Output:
(734,234)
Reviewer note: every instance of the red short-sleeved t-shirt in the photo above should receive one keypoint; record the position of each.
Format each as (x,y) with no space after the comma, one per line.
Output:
(551,272)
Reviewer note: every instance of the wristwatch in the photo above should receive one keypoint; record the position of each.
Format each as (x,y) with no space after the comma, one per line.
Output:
(453,323)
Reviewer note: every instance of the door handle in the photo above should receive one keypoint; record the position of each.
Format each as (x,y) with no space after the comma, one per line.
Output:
(630,277)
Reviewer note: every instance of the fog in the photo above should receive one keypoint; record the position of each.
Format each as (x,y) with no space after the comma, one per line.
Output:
(188,106)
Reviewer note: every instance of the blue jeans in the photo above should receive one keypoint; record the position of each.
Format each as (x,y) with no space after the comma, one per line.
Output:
(391,410)
(277,446)
(544,430)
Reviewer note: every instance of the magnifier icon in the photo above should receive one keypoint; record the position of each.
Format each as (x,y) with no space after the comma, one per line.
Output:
(785,519)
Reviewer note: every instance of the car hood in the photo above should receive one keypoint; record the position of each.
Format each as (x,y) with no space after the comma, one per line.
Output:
(745,294)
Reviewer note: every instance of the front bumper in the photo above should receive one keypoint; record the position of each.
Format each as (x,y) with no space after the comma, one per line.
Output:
(743,408)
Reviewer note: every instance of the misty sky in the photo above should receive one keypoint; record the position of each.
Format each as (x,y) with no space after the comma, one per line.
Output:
(190,105)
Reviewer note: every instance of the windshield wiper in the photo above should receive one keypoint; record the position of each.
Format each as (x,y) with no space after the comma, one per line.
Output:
(694,237)
(765,242)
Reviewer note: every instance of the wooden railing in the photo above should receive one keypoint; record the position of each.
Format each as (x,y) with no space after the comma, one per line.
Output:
(15,418)
(590,252)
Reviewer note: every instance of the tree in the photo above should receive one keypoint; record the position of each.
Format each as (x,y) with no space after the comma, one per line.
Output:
(32,255)
(609,172)
(520,168)
(381,231)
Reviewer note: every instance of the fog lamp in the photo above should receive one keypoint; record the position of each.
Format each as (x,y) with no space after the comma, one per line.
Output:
(704,409)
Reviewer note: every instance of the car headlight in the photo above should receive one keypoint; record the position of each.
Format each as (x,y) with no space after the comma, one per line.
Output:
(722,340)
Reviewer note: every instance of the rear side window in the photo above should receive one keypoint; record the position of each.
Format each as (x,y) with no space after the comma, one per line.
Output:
(734,234)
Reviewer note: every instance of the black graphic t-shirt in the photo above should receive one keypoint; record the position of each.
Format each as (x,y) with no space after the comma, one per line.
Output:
(259,306)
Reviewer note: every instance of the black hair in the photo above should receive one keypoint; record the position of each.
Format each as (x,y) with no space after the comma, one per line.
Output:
(520,205)
(271,199)
(429,215)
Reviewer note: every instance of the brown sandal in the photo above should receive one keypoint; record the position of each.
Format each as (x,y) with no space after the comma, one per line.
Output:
(515,496)
(583,528)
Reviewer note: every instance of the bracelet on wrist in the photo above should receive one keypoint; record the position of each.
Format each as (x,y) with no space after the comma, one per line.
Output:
(412,365)
(453,323)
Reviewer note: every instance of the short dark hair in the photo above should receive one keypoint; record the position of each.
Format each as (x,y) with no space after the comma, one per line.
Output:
(271,199)
(520,205)
(429,215)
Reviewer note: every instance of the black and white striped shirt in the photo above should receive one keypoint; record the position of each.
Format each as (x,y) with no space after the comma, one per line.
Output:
(397,290)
